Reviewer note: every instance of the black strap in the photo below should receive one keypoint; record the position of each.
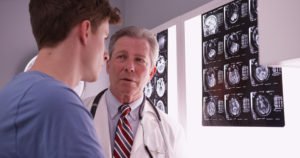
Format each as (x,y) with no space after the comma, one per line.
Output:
(96,102)
(154,108)
(148,151)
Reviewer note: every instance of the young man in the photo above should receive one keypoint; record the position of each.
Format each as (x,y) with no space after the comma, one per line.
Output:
(40,115)
(128,125)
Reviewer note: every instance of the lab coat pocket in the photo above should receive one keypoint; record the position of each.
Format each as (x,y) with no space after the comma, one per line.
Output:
(155,143)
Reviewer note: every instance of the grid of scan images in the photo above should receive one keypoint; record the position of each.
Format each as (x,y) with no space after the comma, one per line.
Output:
(237,90)
(156,89)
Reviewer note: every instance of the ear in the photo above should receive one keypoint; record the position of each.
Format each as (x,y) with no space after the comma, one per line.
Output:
(152,73)
(107,65)
(106,56)
(85,29)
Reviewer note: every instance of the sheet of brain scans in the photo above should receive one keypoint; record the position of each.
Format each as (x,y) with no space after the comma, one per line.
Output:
(156,89)
(237,90)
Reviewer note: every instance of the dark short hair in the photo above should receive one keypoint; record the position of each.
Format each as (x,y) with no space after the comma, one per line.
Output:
(52,20)
(136,32)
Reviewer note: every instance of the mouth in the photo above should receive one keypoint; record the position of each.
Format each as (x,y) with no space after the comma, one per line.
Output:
(127,80)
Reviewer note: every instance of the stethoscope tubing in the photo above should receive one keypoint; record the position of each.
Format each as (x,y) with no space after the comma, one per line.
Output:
(158,118)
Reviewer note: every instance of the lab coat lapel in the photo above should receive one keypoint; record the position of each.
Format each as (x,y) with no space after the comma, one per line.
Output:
(138,140)
(148,119)
(102,127)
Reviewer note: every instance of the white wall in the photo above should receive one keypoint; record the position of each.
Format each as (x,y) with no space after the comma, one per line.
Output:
(151,13)
(16,40)
(279,22)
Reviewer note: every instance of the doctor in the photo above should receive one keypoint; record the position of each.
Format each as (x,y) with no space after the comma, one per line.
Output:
(127,124)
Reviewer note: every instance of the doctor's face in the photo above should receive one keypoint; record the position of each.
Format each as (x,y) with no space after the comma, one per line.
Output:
(129,68)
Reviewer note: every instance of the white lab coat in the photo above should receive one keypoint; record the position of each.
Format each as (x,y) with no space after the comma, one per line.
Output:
(153,138)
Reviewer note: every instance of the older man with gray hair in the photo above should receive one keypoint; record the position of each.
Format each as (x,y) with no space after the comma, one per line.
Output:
(127,123)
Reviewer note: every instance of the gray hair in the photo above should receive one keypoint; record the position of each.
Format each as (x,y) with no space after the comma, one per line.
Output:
(136,32)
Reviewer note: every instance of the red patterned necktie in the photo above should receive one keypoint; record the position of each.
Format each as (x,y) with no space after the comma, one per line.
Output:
(124,136)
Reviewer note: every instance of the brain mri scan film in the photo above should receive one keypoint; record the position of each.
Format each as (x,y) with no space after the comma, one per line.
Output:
(210,78)
(253,9)
(260,75)
(160,87)
(160,105)
(237,90)
(213,79)
(162,39)
(213,22)
(232,44)
(233,75)
(232,13)
(262,105)
(162,42)
(156,90)
(267,105)
(148,89)
(211,107)
(221,108)
(253,38)
(161,64)
(210,50)
(235,44)
(235,107)
(278,103)
(276,71)
(213,50)
(246,105)
(236,75)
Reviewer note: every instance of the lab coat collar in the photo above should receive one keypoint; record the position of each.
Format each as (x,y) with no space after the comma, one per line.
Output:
(114,104)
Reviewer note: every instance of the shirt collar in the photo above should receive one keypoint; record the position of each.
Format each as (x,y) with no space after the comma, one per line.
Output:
(113,106)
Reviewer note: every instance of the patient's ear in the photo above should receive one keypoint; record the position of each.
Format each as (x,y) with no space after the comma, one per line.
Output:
(85,29)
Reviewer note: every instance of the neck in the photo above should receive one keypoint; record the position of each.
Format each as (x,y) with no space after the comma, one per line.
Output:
(126,97)
(60,63)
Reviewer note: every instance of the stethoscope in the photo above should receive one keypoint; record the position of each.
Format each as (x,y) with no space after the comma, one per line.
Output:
(158,118)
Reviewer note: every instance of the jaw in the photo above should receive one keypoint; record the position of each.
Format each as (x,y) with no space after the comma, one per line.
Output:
(126,93)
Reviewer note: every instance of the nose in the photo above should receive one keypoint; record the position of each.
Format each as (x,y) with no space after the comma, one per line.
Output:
(129,66)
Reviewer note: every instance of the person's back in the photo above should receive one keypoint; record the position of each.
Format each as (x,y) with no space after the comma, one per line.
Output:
(40,115)
(34,121)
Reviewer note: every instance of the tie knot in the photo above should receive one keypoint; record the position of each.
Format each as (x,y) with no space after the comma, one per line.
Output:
(125,110)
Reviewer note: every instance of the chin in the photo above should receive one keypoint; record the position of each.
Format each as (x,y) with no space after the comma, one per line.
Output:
(91,78)
(131,92)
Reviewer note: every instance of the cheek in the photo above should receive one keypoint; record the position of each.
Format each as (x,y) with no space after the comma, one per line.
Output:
(145,76)
(112,70)
(101,49)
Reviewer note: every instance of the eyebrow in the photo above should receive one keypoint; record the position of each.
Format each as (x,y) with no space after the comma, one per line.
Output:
(139,55)
(120,52)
